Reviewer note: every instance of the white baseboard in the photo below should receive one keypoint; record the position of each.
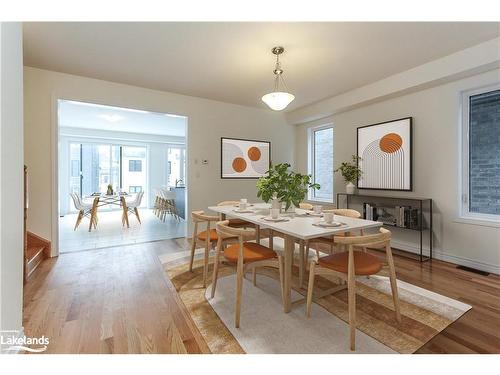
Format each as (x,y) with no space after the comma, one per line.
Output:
(447,257)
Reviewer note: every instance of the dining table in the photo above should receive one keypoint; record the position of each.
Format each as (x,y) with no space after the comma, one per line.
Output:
(117,199)
(301,225)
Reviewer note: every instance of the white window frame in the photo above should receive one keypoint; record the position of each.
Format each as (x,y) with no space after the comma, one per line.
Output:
(310,161)
(464,214)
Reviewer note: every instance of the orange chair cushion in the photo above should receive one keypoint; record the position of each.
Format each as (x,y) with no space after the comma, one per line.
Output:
(364,263)
(202,236)
(252,252)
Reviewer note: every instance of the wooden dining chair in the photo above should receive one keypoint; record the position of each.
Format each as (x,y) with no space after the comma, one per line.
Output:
(237,223)
(169,206)
(351,263)
(306,206)
(329,241)
(247,256)
(157,203)
(208,237)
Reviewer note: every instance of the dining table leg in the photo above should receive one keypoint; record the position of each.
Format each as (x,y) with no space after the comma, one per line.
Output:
(287,284)
(301,263)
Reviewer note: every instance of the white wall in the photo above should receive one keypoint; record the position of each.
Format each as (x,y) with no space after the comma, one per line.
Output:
(207,121)
(157,166)
(471,61)
(435,113)
(11,176)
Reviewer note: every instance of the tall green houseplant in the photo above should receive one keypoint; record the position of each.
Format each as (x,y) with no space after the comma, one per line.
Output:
(288,187)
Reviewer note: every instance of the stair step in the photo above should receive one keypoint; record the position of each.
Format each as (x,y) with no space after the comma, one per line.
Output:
(37,249)
(33,252)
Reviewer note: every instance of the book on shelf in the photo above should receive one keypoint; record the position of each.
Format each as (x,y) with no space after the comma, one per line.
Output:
(370,211)
(399,216)
(407,217)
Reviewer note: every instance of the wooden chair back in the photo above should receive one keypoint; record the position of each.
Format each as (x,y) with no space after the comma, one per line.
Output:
(200,216)
(378,240)
(225,231)
(306,206)
(347,212)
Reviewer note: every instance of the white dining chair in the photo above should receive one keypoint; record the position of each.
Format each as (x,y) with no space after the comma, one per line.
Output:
(132,207)
(84,210)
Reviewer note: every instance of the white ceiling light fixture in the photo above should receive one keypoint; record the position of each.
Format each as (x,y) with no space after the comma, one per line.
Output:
(278,100)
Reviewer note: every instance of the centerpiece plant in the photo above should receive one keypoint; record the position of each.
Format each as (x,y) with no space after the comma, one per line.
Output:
(284,185)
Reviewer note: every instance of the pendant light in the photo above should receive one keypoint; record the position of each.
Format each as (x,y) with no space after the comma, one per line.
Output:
(278,99)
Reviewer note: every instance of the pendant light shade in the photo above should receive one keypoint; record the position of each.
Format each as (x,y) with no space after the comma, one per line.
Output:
(278,99)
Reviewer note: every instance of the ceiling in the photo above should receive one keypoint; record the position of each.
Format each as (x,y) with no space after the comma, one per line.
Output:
(232,62)
(102,117)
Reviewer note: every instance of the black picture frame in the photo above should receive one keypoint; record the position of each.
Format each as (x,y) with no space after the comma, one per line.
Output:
(245,140)
(410,148)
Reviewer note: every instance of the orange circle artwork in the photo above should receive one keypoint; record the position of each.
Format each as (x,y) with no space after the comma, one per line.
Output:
(254,153)
(239,164)
(390,143)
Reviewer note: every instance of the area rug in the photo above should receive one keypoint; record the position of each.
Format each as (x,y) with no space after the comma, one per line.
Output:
(265,328)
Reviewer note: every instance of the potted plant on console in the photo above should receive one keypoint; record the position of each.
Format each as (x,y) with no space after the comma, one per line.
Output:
(283,186)
(350,171)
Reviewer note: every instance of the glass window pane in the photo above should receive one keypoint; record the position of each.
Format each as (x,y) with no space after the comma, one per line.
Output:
(74,179)
(323,163)
(134,170)
(176,166)
(484,153)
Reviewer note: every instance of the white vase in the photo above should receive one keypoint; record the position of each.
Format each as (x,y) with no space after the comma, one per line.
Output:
(349,188)
(275,203)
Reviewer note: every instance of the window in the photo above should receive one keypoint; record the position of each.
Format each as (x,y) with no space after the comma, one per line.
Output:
(135,165)
(481,154)
(321,162)
(93,166)
(135,189)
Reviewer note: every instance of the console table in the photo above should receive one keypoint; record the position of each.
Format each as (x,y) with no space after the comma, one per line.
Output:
(420,207)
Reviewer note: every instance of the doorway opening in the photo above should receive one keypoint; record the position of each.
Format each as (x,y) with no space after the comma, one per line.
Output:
(116,167)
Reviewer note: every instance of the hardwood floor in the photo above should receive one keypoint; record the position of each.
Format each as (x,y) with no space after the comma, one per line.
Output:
(118,300)
(114,300)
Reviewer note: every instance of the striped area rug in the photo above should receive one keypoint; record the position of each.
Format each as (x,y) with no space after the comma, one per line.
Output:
(266,329)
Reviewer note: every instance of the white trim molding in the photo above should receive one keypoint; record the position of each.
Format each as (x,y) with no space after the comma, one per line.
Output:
(311,161)
(464,214)
(447,257)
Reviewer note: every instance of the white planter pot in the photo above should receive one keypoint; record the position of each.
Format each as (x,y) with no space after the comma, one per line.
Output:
(350,188)
(275,203)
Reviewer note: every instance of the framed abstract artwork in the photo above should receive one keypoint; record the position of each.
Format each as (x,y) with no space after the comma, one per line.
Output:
(244,158)
(385,150)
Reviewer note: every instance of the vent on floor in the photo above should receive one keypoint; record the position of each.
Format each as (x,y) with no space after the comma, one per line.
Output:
(479,272)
